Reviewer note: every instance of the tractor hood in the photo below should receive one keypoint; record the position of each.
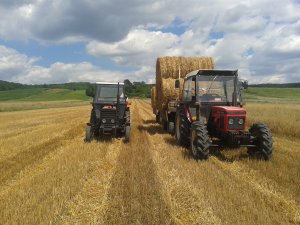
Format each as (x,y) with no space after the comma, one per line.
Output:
(227,110)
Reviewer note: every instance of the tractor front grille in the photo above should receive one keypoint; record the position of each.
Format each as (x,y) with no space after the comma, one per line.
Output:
(110,117)
(236,125)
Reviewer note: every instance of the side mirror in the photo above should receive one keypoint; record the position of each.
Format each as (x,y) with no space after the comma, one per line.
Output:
(245,84)
(177,83)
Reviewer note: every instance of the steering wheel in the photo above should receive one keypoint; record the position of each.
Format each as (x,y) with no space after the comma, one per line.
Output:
(212,96)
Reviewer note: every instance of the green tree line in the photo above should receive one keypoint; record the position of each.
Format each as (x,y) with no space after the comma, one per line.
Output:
(132,89)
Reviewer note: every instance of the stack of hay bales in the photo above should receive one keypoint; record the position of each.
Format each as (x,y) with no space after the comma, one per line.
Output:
(168,70)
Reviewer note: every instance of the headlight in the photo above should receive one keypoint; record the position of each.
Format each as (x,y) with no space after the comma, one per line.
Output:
(241,121)
(103,120)
(230,121)
(112,121)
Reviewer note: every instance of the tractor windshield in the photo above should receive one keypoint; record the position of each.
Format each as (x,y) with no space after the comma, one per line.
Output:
(109,92)
(216,88)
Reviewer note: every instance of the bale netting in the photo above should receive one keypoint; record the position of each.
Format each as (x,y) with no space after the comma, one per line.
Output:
(153,98)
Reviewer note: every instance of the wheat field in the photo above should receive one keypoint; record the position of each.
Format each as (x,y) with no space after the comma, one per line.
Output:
(50,176)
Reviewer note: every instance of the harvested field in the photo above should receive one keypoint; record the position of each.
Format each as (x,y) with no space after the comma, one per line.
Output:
(50,176)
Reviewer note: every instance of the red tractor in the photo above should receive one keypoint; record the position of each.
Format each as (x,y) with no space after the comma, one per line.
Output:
(211,114)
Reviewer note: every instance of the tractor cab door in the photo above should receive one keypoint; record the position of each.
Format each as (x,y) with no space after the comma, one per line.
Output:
(189,96)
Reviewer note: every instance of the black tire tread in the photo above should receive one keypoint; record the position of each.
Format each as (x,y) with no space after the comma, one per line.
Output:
(88,134)
(203,140)
(263,140)
(184,128)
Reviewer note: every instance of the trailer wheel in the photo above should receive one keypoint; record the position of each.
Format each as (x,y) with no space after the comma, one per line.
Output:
(199,141)
(165,125)
(262,138)
(182,128)
(171,127)
(127,133)
(157,118)
(88,133)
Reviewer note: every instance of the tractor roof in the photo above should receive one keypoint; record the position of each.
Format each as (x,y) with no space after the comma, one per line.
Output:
(212,73)
(110,83)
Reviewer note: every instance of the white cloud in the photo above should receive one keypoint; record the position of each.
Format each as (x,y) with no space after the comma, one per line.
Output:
(258,37)
(20,68)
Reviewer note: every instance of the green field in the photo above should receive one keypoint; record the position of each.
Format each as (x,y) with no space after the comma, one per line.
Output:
(43,94)
(41,98)
(38,98)
(281,94)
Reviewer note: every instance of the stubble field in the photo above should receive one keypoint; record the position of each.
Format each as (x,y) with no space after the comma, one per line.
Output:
(50,176)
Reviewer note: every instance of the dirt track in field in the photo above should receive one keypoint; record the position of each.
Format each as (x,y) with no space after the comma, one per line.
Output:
(50,176)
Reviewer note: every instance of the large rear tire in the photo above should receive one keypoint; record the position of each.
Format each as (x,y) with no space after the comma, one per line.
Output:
(262,138)
(199,141)
(182,128)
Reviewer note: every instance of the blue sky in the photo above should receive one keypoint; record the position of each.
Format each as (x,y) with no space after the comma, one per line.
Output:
(85,40)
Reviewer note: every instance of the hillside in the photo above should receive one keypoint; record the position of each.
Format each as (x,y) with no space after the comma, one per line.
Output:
(65,91)
(260,93)
(5,85)
(286,85)
(43,94)
(77,91)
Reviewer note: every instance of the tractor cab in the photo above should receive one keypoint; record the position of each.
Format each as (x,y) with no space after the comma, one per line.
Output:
(108,93)
(110,114)
(204,89)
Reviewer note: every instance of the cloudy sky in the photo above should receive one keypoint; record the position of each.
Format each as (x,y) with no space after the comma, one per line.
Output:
(54,41)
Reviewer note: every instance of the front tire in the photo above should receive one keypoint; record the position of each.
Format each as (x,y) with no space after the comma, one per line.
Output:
(88,134)
(127,134)
(262,138)
(182,128)
(199,141)
(95,125)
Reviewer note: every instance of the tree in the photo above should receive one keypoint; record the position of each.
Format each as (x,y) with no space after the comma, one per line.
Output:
(90,91)
(128,87)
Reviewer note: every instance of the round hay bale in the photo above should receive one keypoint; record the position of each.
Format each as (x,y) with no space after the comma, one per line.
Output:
(173,67)
(168,91)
